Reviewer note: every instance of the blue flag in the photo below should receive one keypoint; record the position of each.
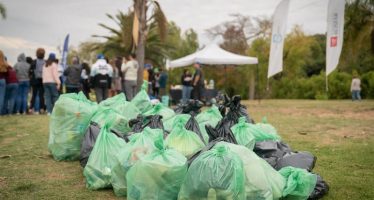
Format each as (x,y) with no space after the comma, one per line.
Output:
(65,52)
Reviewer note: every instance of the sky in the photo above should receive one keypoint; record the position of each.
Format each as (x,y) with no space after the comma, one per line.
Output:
(45,23)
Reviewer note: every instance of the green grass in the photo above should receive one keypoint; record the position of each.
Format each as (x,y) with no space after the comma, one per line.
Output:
(339,133)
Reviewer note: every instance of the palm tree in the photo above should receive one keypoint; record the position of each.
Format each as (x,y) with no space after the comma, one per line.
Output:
(141,8)
(2,10)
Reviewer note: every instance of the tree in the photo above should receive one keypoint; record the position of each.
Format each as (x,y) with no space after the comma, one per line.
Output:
(141,9)
(2,10)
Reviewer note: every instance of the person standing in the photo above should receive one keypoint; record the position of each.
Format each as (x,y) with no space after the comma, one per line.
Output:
(73,76)
(51,82)
(186,81)
(356,87)
(85,79)
(163,82)
(198,83)
(36,82)
(101,78)
(22,70)
(156,83)
(11,91)
(130,71)
(3,76)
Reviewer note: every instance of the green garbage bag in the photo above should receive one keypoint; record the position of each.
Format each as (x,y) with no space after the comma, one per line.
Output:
(158,175)
(261,180)
(106,115)
(169,124)
(141,100)
(264,131)
(184,141)
(123,107)
(209,116)
(69,121)
(98,171)
(137,148)
(160,109)
(215,174)
(299,183)
(242,133)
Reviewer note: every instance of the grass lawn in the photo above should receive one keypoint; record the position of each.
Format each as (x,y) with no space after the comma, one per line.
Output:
(339,133)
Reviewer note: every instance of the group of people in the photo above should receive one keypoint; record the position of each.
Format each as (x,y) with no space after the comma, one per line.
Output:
(44,79)
(193,85)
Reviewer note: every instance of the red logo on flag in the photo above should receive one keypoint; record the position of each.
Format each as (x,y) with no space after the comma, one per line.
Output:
(333,41)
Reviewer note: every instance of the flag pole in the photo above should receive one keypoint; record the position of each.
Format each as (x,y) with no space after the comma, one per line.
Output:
(327,83)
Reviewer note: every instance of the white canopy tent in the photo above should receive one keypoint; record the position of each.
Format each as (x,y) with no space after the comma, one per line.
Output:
(213,55)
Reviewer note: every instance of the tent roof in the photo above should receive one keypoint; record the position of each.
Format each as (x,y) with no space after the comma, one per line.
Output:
(213,55)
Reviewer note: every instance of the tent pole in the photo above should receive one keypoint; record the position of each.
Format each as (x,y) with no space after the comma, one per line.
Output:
(258,84)
(327,84)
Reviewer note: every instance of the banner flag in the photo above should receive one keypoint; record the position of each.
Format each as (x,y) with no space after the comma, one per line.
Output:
(277,38)
(334,38)
(65,52)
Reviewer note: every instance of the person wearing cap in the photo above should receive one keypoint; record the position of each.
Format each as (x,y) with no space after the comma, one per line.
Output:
(198,82)
(130,72)
(51,82)
(73,76)
(36,82)
(101,78)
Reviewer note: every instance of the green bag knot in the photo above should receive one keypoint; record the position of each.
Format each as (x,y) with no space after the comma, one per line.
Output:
(242,120)
(221,150)
(265,120)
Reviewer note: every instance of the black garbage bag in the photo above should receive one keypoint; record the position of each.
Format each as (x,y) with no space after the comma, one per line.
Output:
(238,110)
(222,102)
(136,124)
(321,189)
(222,130)
(209,146)
(88,142)
(193,126)
(272,151)
(191,105)
(154,121)
(302,159)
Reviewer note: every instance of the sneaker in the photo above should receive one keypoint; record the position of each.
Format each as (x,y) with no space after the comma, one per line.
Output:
(36,113)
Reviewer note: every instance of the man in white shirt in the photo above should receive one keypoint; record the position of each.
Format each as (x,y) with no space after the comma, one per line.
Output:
(130,74)
(101,78)
(356,87)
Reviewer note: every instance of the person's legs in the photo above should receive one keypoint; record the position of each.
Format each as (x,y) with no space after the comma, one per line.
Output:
(2,94)
(42,104)
(25,95)
(105,92)
(359,95)
(133,89)
(189,90)
(18,105)
(13,87)
(128,90)
(201,93)
(33,97)
(184,94)
(54,95)
(99,94)
(47,97)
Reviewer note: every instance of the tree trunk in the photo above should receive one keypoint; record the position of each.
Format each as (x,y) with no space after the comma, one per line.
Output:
(140,10)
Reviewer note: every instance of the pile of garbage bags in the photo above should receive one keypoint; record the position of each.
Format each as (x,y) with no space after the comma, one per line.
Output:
(146,151)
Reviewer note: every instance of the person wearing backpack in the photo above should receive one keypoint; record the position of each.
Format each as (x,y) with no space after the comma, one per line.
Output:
(101,78)
(36,82)
(73,75)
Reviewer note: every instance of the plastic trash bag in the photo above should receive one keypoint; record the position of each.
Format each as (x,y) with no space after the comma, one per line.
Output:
(160,109)
(238,110)
(98,170)
(272,151)
(155,121)
(302,159)
(137,148)
(106,115)
(261,180)
(321,189)
(88,142)
(215,174)
(183,118)
(299,183)
(136,124)
(118,99)
(209,116)
(222,130)
(193,126)
(69,121)
(142,100)
(190,107)
(184,141)
(158,175)
(208,147)
(242,134)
